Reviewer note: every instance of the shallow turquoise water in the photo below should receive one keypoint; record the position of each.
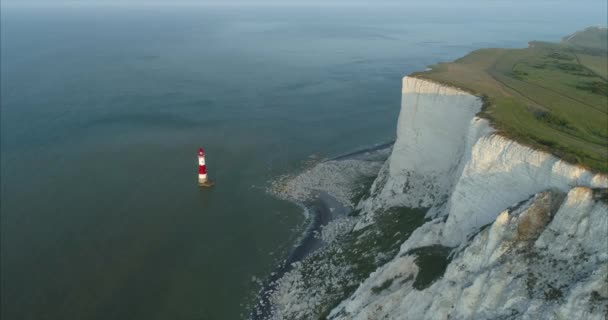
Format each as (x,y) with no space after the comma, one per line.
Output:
(103,110)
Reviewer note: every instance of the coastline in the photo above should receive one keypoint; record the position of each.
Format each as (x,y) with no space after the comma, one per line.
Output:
(323,208)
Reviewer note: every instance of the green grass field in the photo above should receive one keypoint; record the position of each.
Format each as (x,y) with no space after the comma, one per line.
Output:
(550,96)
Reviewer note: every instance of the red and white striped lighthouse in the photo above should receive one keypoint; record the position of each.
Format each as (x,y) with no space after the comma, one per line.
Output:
(202,170)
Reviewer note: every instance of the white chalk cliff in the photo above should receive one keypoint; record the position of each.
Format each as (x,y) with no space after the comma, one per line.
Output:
(544,254)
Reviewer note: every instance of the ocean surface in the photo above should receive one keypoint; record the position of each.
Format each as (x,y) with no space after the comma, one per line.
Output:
(103,109)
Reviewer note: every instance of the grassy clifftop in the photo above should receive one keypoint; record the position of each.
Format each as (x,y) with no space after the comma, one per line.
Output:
(550,96)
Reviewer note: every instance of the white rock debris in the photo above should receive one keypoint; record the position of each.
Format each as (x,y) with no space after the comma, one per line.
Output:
(337,227)
(340,179)
(528,264)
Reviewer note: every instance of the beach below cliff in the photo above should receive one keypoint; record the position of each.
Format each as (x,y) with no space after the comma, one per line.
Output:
(326,192)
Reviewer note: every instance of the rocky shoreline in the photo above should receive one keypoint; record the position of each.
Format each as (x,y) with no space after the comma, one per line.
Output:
(323,208)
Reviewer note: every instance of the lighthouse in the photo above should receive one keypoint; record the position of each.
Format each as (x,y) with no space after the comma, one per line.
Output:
(202,170)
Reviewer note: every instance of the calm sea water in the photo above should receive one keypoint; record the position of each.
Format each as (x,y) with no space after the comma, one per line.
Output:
(103,109)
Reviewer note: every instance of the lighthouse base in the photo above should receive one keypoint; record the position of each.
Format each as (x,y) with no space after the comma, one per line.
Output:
(206,183)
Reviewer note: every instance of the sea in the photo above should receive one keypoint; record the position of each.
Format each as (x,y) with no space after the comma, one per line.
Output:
(104,106)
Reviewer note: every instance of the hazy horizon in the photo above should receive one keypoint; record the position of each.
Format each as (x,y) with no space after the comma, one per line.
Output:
(292,2)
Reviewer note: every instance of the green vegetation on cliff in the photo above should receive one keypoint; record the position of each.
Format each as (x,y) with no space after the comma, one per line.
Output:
(550,96)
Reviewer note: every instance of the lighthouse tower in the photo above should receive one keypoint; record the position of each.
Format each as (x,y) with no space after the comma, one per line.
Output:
(202,170)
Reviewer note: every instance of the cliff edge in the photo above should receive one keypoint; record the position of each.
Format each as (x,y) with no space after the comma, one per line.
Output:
(519,232)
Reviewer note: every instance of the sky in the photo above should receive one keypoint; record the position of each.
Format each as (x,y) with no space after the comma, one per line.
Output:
(287,2)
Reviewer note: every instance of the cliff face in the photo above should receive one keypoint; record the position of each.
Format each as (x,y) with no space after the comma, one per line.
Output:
(501,173)
(544,253)
(432,137)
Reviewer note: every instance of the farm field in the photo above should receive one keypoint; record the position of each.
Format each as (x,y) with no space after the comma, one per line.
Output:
(550,96)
